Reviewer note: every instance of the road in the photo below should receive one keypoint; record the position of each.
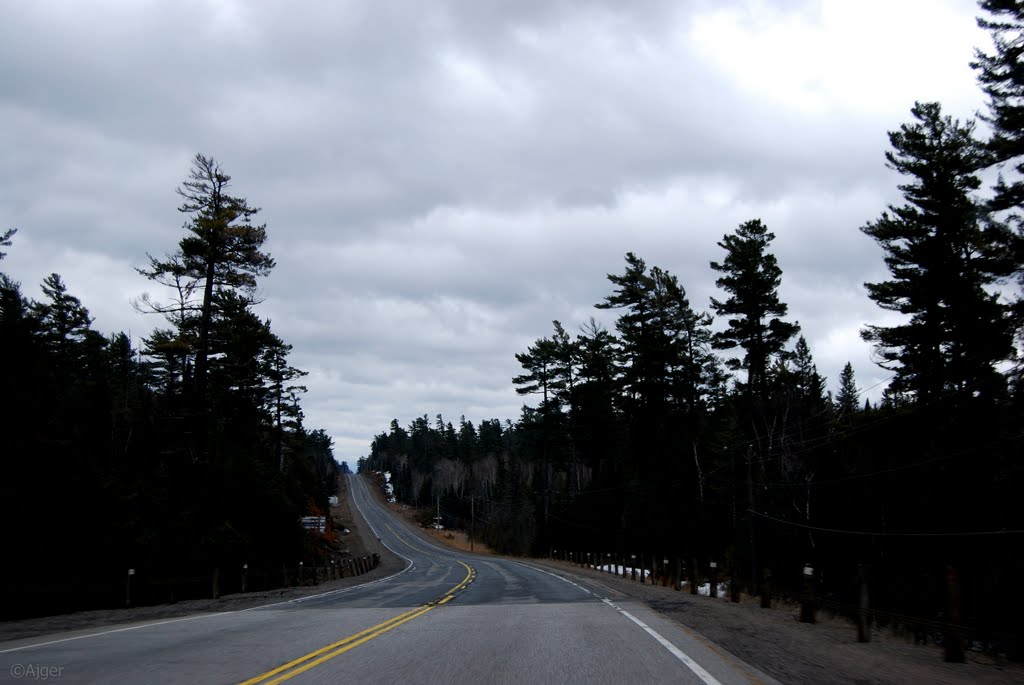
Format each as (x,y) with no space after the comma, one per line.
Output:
(448,617)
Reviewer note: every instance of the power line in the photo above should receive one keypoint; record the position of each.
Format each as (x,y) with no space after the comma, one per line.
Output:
(884,534)
(924,462)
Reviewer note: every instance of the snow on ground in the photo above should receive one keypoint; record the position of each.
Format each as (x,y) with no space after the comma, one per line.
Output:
(389,489)
(702,589)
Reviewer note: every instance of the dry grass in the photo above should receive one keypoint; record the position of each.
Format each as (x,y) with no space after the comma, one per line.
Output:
(455,539)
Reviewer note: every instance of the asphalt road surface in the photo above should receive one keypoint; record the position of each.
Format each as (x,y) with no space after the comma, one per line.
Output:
(448,617)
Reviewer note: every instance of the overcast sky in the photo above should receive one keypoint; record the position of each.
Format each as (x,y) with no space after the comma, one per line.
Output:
(442,179)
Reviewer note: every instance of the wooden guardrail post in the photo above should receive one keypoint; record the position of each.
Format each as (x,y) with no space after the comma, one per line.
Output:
(734,582)
(863,618)
(807,602)
(953,645)
(766,588)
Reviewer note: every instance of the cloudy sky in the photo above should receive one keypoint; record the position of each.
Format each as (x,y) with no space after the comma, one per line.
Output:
(442,179)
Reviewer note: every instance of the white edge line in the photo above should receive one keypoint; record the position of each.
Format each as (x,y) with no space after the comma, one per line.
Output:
(401,524)
(697,669)
(354,478)
(225,613)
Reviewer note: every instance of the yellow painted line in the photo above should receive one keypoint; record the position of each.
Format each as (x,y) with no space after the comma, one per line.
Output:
(315,658)
(406,542)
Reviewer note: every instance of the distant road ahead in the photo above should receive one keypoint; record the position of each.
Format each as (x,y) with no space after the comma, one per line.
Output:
(446,618)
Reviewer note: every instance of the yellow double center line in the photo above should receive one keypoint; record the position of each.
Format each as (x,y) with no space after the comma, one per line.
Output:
(304,663)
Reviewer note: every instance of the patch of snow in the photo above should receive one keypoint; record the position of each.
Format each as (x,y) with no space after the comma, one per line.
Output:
(618,570)
(705,590)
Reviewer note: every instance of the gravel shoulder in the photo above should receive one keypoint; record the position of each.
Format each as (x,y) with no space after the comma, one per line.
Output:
(774,641)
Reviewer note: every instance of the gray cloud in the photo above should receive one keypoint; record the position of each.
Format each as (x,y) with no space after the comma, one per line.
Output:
(440,181)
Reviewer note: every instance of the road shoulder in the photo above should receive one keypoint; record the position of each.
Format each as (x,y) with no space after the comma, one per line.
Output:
(775,642)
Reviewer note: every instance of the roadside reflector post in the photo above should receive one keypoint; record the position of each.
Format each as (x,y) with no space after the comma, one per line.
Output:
(245,573)
(807,610)
(128,588)
(632,566)
(713,579)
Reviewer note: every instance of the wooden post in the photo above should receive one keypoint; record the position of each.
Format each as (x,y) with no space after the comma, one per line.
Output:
(734,582)
(863,619)
(215,582)
(693,575)
(766,588)
(713,579)
(807,602)
(953,642)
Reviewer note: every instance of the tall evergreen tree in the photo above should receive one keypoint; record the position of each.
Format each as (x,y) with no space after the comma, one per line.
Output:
(848,398)
(1001,75)
(221,250)
(541,363)
(221,253)
(751,276)
(939,258)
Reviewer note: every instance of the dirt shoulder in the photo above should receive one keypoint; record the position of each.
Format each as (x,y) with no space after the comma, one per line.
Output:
(359,542)
(774,641)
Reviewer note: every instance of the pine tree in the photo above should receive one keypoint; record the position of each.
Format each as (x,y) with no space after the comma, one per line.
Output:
(938,255)
(1001,75)
(751,276)
(847,399)
(221,253)
(540,362)
(5,240)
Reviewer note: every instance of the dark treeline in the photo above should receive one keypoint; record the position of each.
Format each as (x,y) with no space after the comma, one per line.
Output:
(179,460)
(671,435)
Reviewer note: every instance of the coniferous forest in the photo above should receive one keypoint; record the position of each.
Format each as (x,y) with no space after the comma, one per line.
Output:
(705,432)
(181,460)
(700,431)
